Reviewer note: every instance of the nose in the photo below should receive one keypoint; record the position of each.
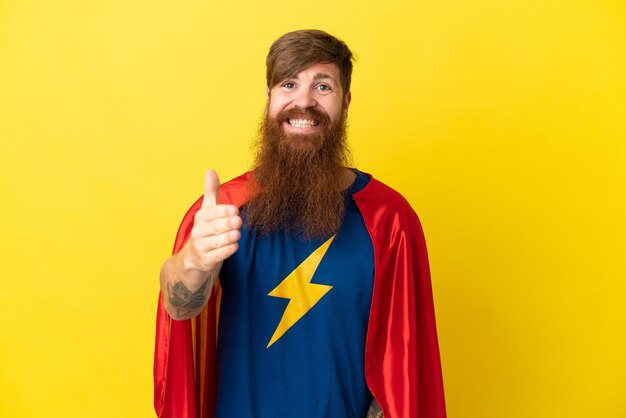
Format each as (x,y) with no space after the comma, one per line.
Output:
(305,99)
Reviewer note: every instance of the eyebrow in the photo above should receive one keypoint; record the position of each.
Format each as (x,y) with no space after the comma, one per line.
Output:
(319,76)
(322,75)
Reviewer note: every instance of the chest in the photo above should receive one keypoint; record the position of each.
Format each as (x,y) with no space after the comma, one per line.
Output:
(284,284)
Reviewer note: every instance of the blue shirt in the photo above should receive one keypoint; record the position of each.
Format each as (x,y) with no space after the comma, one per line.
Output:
(293,323)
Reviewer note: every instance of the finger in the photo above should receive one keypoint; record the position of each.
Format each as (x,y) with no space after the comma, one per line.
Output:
(212,213)
(220,254)
(215,227)
(223,253)
(211,186)
(205,245)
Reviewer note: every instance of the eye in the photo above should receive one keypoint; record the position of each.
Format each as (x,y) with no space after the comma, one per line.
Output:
(289,85)
(323,87)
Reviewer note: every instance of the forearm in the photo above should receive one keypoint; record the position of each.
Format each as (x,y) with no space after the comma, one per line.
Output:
(374,411)
(185,290)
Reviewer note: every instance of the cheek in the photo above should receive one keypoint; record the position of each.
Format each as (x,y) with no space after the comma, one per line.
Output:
(334,103)
(334,111)
(275,106)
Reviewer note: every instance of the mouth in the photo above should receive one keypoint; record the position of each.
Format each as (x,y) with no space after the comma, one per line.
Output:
(302,123)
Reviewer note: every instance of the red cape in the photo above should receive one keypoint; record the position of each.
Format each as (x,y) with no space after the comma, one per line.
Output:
(402,366)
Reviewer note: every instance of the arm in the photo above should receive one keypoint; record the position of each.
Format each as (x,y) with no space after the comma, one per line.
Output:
(185,290)
(188,276)
(374,411)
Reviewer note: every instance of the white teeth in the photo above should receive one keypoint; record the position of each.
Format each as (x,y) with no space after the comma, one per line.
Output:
(302,123)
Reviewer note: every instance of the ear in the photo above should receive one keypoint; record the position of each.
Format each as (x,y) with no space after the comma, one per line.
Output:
(346,104)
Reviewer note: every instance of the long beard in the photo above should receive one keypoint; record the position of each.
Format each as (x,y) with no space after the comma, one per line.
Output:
(298,178)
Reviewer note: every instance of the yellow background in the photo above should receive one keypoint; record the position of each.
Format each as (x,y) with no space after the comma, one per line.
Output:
(502,122)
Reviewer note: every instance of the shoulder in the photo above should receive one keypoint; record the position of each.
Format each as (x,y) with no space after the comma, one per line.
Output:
(391,222)
(378,196)
(388,216)
(235,191)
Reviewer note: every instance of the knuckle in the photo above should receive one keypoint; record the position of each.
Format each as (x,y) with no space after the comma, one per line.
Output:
(198,216)
(197,246)
(216,227)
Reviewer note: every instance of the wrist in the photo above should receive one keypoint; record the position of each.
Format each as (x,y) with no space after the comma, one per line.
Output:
(188,270)
(191,269)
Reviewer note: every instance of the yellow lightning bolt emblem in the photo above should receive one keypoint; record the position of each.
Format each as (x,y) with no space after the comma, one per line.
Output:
(302,293)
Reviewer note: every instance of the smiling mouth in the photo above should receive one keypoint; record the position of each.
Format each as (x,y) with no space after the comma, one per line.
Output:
(302,123)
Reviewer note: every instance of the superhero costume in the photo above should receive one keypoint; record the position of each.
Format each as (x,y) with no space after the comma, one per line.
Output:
(293,321)
(402,367)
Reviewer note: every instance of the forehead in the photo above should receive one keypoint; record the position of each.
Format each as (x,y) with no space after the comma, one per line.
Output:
(319,70)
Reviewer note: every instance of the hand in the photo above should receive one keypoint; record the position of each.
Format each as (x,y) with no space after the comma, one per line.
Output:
(215,233)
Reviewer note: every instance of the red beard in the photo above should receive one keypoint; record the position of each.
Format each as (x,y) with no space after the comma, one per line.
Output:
(298,185)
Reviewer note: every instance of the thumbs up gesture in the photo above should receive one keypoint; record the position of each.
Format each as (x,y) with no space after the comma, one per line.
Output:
(215,233)
(188,276)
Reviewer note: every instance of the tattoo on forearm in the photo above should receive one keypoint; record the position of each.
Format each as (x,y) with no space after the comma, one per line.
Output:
(184,300)
(374,411)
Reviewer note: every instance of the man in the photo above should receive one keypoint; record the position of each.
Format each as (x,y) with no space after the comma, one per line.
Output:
(301,288)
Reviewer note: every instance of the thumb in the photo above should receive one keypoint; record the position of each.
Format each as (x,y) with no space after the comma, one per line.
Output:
(211,186)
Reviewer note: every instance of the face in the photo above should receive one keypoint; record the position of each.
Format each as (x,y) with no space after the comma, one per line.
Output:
(303,101)
(301,155)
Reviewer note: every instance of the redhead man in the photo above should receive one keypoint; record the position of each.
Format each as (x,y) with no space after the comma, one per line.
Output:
(300,288)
